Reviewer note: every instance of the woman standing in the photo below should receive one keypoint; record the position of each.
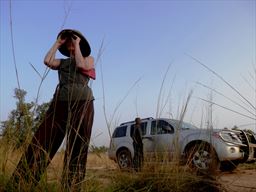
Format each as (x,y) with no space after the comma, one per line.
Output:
(70,114)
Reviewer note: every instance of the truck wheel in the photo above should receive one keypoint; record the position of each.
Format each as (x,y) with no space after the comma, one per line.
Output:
(203,158)
(228,165)
(124,159)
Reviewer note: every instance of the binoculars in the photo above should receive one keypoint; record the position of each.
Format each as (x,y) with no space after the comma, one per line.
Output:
(67,34)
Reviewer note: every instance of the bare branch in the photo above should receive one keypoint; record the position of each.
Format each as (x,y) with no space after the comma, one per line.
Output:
(221,78)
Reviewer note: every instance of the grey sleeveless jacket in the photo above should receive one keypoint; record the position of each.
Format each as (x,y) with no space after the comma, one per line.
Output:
(73,85)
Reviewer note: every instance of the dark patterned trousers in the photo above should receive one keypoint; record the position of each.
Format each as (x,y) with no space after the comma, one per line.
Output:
(72,120)
(138,156)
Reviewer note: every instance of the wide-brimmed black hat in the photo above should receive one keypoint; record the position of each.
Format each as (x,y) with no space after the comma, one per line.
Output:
(84,45)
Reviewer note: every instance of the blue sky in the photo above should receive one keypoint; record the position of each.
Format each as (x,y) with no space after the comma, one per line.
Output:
(141,39)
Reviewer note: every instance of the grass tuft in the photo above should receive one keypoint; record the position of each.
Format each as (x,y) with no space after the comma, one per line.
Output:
(164,177)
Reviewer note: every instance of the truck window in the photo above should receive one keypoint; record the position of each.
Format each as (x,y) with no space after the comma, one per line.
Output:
(143,128)
(120,132)
(161,127)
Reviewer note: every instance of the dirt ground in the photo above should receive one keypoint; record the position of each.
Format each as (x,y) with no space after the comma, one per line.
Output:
(241,180)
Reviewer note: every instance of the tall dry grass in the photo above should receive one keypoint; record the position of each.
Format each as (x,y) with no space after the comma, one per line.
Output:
(104,175)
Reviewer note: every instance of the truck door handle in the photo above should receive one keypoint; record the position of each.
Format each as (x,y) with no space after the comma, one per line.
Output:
(148,137)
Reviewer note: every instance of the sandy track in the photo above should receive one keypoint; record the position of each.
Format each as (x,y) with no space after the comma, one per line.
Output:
(239,181)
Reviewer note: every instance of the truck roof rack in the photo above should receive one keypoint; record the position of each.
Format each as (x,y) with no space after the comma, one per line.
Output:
(148,118)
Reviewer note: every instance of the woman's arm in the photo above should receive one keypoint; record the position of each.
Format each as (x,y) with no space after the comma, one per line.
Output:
(49,58)
(84,63)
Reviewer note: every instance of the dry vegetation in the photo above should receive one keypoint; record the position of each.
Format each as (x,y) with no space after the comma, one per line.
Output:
(104,175)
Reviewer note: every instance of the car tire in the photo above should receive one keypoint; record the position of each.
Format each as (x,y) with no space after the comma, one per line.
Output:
(202,158)
(124,159)
(226,166)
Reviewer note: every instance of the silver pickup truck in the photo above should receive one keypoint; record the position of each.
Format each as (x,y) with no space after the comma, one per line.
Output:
(201,149)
